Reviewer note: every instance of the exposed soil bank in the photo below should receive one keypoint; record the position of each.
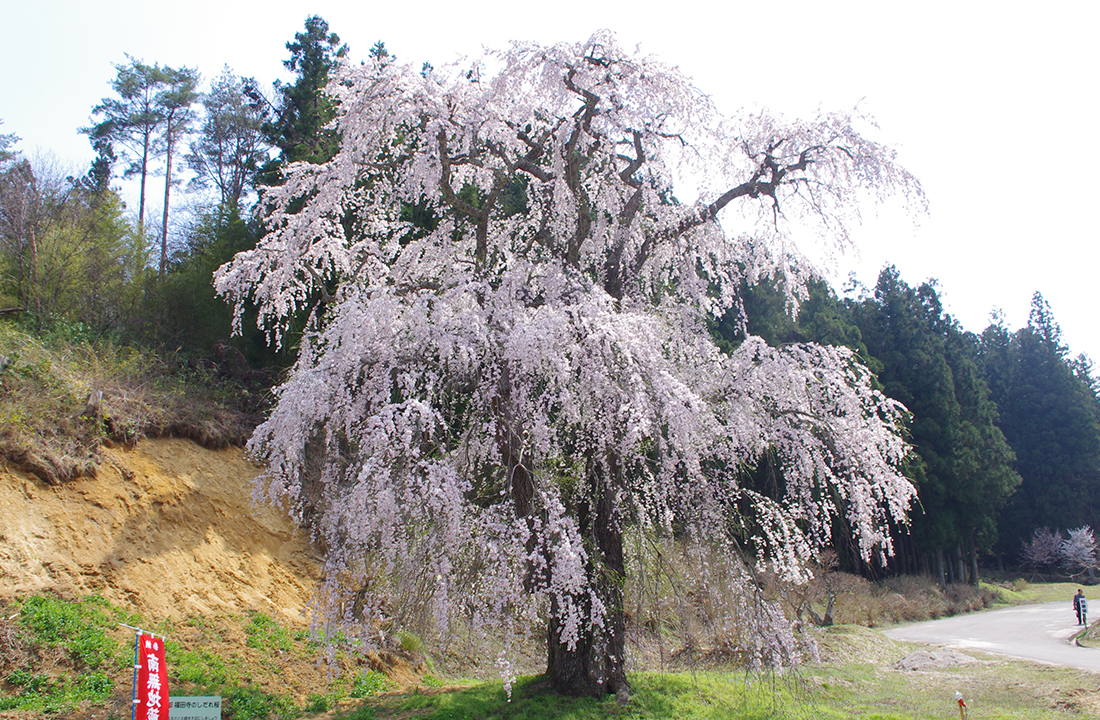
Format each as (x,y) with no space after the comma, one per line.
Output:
(166,528)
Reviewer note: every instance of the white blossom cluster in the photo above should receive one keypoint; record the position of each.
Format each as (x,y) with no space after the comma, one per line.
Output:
(469,382)
(1078,551)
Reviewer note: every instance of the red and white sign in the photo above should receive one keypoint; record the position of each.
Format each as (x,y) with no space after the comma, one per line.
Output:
(152,679)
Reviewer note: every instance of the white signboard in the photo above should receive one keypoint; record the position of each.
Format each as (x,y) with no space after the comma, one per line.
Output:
(195,708)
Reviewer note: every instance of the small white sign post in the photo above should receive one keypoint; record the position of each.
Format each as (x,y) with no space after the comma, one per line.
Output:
(195,708)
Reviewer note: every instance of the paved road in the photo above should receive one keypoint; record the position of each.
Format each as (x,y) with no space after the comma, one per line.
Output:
(1034,632)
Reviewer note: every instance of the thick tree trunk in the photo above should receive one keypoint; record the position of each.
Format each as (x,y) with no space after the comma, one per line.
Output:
(939,569)
(828,619)
(595,665)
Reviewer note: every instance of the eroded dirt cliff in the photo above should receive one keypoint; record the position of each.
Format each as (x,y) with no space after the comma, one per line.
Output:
(166,528)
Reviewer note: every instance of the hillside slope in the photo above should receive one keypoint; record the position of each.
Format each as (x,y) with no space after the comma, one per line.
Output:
(166,528)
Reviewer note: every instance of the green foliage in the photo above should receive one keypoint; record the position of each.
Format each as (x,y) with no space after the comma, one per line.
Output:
(297,125)
(267,635)
(86,263)
(821,318)
(962,465)
(229,149)
(370,683)
(250,702)
(317,703)
(201,667)
(131,120)
(410,642)
(76,626)
(185,312)
(6,141)
(79,629)
(37,692)
(362,712)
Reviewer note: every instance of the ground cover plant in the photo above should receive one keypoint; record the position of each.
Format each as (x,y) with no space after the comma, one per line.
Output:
(63,655)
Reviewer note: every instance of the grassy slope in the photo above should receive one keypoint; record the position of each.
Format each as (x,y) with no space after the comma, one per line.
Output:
(72,659)
(63,394)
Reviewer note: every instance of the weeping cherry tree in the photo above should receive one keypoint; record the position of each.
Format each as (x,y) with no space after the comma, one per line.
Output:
(508,368)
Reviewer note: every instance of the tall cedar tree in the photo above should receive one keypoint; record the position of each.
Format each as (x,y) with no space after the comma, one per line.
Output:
(297,124)
(1051,417)
(963,465)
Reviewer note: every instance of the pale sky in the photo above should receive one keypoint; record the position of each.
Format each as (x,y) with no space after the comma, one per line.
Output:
(991,104)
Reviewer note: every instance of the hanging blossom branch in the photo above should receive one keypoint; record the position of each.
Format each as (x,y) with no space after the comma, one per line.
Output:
(513,370)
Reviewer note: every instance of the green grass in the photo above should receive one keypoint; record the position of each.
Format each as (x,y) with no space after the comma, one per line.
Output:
(249,702)
(1022,592)
(370,683)
(994,690)
(701,695)
(38,692)
(858,684)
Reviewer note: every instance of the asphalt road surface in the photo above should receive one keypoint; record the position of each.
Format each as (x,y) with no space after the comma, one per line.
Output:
(1033,632)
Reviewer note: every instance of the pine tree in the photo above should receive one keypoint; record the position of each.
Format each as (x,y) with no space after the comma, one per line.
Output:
(297,124)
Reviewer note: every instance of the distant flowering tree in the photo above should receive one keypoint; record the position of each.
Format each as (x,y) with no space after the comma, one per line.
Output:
(1043,550)
(509,368)
(1078,551)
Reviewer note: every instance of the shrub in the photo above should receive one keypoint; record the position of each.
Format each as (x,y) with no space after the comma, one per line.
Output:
(254,703)
(370,683)
(267,635)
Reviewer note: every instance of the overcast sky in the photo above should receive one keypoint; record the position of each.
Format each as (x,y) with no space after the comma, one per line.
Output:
(991,104)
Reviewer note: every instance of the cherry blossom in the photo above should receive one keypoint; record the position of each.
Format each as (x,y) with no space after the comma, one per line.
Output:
(508,367)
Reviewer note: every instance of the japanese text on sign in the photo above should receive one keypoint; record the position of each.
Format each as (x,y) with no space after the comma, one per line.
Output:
(195,708)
